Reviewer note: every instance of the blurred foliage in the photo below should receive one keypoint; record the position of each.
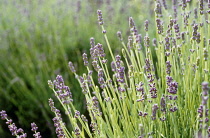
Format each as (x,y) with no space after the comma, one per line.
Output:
(38,38)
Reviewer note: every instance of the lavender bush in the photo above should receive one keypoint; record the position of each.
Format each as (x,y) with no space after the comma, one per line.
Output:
(156,87)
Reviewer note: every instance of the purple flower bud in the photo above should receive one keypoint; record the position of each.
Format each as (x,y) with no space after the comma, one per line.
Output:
(9,121)
(147,66)
(146,25)
(71,67)
(205,88)
(3,115)
(205,54)
(154,111)
(85,59)
(163,104)
(172,85)
(131,22)
(113,66)
(104,31)
(77,114)
(159,26)
(100,18)
(158,10)
(92,42)
(146,41)
(100,73)
(168,67)
(33,127)
(176,27)
(84,118)
(119,35)
(164,4)
(154,42)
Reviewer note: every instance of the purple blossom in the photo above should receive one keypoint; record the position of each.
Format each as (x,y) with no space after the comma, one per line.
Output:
(142,114)
(154,42)
(100,18)
(172,86)
(164,4)
(77,131)
(158,10)
(12,127)
(84,118)
(205,54)
(113,66)
(92,42)
(146,23)
(100,73)
(148,65)
(71,67)
(168,67)
(154,111)
(34,129)
(163,104)
(131,22)
(85,59)
(3,115)
(77,114)
(95,65)
(120,74)
(153,90)
(167,43)
(119,35)
(58,130)
(159,26)
(63,92)
(146,41)
(139,88)
(58,123)
(184,4)
(130,42)
(176,28)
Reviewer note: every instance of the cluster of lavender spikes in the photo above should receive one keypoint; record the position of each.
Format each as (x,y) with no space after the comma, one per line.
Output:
(203,111)
(58,123)
(118,97)
(18,132)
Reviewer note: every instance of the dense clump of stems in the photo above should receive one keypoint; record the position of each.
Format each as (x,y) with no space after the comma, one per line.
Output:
(154,89)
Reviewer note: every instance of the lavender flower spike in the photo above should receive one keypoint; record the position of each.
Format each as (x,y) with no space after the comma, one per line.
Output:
(18,132)
(34,129)
(100,18)
(71,67)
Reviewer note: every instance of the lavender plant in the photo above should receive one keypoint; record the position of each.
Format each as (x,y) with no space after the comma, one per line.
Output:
(157,89)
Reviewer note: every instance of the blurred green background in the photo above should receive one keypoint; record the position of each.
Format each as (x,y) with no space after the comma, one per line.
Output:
(38,38)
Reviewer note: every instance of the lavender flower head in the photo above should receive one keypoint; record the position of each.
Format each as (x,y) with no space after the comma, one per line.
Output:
(85,59)
(168,67)
(18,132)
(100,18)
(154,111)
(131,22)
(146,23)
(71,67)
(119,35)
(172,85)
(58,123)
(203,110)
(92,42)
(205,93)
(62,91)
(34,129)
